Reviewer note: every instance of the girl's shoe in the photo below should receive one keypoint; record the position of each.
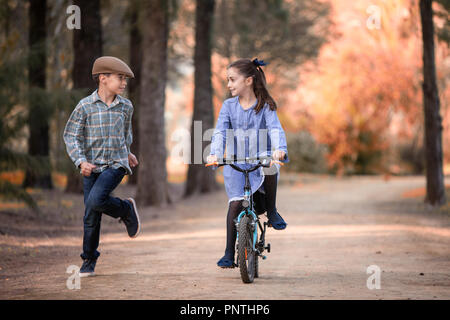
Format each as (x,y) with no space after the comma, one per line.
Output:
(276,221)
(227,261)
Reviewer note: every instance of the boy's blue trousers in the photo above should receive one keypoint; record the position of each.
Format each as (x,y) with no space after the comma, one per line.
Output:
(97,200)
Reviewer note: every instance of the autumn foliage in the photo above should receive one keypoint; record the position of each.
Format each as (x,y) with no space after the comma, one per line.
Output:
(363,99)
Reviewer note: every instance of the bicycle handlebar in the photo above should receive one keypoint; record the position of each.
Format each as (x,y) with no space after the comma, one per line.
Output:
(262,161)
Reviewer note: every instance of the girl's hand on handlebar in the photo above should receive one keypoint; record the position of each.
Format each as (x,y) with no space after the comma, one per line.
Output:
(211,160)
(278,155)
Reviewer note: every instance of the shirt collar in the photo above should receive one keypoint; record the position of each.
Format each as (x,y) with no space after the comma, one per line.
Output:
(96,98)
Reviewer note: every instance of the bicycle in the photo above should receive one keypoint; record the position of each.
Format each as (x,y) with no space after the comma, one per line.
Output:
(248,248)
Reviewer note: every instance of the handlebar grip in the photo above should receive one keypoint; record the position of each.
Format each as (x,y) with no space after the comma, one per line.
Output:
(276,161)
(212,164)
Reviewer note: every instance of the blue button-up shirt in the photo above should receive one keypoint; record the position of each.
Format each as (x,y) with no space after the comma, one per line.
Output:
(244,133)
(100,134)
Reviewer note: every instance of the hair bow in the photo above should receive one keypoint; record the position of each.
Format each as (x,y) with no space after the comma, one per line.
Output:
(258,63)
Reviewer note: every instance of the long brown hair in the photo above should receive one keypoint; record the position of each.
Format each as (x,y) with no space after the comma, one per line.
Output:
(249,68)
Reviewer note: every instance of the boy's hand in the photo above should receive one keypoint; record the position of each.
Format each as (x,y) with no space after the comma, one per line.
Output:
(278,155)
(132,160)
(86,168)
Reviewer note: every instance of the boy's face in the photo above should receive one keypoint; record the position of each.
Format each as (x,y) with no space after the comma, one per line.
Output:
(115,83)
(237,83)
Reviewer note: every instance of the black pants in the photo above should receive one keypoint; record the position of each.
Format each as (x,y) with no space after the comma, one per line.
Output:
(262,202)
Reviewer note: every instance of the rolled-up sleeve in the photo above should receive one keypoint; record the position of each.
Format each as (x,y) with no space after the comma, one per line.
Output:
(276,132)
(74,136)
(218,140)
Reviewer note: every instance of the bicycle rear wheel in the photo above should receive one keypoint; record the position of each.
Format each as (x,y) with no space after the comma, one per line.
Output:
(246,255)
(256,266)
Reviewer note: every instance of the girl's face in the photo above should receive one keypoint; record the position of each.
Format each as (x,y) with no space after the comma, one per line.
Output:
(115,83)
(237,83)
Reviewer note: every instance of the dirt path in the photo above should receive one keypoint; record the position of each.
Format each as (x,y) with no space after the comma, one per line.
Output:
(336,229)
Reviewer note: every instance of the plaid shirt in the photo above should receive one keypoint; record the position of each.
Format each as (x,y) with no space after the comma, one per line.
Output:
(99,134)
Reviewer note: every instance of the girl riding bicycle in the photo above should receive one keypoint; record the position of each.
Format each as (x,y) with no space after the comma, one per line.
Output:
(248,126)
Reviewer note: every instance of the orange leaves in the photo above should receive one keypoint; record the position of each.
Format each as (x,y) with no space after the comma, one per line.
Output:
(365,96)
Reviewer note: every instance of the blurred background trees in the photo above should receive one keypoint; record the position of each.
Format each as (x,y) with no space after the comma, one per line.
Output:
(152,188)
(13,115)
(347,76)
(200,178)
(433,121)
(39,107)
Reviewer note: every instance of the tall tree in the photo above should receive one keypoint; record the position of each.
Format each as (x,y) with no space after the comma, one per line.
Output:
(87,46)
(39,106)
(433,121)
(200,178)
(134,86)
(152,181)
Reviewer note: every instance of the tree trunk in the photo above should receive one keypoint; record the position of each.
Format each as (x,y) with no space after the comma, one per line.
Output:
(200,178)
(433,122)
(134,86)
(39,110)
(87,46)
(152,186)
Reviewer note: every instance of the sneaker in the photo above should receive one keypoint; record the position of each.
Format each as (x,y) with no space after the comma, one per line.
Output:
(87,268)
(276,221)
(131,221)
(227,261)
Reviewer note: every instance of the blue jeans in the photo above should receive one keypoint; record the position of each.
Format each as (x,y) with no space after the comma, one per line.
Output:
(97,200)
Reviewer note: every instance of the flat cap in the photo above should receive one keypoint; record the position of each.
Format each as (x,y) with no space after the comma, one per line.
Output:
(108,64)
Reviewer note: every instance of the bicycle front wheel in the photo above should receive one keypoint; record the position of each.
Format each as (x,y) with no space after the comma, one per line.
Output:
(246,254)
